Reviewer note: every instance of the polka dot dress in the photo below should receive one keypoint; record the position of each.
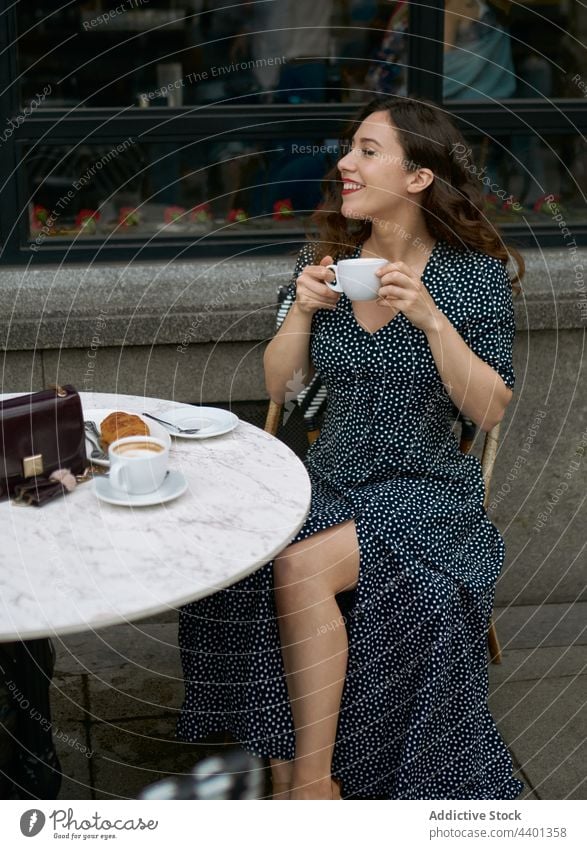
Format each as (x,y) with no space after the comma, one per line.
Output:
(414,722)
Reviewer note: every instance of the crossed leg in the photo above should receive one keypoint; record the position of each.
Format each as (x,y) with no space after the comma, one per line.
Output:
(314,645)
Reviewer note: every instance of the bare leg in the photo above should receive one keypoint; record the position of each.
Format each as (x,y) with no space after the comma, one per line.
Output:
(281,774)
(307,575)
(281,780)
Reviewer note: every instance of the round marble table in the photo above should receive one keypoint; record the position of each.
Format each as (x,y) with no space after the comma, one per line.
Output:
(78,563)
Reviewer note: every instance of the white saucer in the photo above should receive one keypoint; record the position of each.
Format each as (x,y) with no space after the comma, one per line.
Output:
(172,487)
(98,415)
(211,421)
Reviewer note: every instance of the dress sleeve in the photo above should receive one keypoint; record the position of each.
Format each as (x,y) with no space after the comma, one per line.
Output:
(490,327)
(305,257)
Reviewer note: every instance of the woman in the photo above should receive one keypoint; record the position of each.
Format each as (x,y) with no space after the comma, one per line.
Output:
(390,700)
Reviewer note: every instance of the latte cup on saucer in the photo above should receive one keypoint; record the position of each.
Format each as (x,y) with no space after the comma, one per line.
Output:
(138,464)
(356,278)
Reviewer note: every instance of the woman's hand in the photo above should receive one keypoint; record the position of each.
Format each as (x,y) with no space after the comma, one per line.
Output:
(312,293)
(402,289)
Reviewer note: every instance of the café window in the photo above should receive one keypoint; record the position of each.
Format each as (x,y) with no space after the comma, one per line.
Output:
(144,128)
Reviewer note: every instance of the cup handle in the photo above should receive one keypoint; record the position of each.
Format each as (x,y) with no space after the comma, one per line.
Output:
(335,285)
(117,478)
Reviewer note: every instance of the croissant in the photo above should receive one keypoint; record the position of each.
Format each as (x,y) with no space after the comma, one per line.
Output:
(118,425)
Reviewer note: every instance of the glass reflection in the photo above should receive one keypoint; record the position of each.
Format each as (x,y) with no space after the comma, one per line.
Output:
(109,53)
(497,49)
(133,190)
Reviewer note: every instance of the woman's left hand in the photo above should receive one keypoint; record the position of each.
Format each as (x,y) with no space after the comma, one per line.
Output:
(402,289)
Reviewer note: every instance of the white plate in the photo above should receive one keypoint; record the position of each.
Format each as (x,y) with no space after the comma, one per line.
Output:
(211,421)
(172,487)
(97,416)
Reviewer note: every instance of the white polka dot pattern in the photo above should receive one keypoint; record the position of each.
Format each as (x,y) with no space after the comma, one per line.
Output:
(414,722)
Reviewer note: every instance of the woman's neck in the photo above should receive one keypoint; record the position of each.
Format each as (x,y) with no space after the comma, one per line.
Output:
(398,243)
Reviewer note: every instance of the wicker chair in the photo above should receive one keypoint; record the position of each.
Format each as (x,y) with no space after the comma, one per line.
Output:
(468,430)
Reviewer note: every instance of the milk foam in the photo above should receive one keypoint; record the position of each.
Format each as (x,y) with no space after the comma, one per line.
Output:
(138,450)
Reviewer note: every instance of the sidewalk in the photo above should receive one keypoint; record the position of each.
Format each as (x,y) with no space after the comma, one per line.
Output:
(117,692)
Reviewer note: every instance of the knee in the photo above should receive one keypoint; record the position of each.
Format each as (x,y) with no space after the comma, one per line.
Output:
(291,571)
(284,571)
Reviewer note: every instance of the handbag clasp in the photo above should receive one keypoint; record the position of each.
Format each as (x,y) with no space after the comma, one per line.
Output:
(32,466)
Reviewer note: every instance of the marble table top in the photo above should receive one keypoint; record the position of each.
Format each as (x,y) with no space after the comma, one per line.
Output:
(78,563)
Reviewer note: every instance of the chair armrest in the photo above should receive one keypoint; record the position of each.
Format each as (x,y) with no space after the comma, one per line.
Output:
(488,459)
(273,420)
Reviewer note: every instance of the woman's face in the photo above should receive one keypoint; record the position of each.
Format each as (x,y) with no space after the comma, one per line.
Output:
(376,182)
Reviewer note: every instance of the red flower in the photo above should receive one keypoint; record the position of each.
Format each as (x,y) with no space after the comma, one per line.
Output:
(283,209)
(237,215)
(491,201)
(40,214)
(543,204)
(512,205)
(201,213)
(87,218)
(173,213)
(128,216)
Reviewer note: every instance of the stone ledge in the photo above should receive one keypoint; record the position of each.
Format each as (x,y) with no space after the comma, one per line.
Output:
(212,300)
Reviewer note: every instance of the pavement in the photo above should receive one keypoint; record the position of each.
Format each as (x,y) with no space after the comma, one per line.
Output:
(117,692)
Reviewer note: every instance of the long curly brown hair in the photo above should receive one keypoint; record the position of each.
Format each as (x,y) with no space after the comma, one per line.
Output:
(453,203)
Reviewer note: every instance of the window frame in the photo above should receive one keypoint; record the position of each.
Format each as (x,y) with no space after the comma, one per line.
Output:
(256,121)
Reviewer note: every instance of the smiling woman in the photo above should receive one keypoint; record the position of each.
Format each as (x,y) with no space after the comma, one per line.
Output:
(388,701)
(392,137)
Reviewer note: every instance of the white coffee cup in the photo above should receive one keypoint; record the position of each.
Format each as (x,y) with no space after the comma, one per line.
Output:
(138,464)
(356,278)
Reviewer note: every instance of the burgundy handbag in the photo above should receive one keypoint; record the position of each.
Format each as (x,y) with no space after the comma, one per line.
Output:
(40,433)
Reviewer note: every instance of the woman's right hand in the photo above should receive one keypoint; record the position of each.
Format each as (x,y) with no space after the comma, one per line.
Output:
(312,293)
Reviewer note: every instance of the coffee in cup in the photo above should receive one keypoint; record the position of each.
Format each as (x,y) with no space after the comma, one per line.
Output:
(356,278)
(137,449)
(138,464)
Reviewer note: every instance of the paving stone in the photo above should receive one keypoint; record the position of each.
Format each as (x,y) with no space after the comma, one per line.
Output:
(152,646)
(544,724)
(528,795)
(134,691)
(130,670)
(74,756)
(130,755)
(67,697)
(537,663)
(169,617)
(528,626)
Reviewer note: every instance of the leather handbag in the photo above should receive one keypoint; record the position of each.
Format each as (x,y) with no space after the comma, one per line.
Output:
(40,433)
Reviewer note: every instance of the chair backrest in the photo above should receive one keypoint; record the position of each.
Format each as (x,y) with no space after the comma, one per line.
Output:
(468,431)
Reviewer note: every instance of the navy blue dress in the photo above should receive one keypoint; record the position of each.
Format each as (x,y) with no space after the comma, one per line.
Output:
(414,722)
